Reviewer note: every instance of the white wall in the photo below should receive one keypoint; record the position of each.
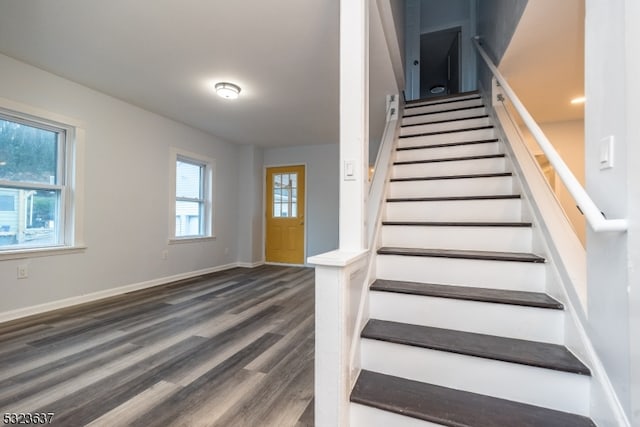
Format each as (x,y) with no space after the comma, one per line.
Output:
(126,195)
(567,138)
(436,15)
(382,81)
(612,258)
(322,174)
(250,215)
(632,68)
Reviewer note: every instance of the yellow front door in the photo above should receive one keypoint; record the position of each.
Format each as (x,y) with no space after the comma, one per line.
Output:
(285,215)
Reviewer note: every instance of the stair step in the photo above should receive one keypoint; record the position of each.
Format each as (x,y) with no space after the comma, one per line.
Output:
(443,99)
(530,353)
(481,210)
(448,114)
(465,176)
(449,407)
(497,296)
(501,239)
(445,125)
(450,159)
(453,187)
(482,164)
(444,138)
(450,144)
(457,119)
(478,255)
(454,198)
(457,224)
(444,132)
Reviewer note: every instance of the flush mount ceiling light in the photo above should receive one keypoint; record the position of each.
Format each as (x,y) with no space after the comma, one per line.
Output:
(437,89)
(227,90)
(578,100)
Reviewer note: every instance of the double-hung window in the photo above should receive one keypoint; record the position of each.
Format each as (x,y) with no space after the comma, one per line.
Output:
(34,192)
(192,196)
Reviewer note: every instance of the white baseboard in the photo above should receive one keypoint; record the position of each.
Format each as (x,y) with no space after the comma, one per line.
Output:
(251,264)
(94,296)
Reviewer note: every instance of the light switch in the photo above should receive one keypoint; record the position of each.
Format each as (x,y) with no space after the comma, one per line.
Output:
(606,152)
(349,170)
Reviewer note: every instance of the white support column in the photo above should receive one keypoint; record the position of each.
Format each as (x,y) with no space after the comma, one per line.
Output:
(354,122)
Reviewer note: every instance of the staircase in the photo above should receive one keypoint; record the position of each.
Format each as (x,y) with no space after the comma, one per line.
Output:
(461,331)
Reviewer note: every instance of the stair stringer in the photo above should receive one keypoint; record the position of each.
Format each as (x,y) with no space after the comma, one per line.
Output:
(566,278)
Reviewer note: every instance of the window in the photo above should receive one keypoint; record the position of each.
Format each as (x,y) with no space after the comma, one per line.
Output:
(33,183)
(192,196)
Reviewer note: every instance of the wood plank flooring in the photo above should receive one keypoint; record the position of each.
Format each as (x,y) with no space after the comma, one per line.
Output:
(233,348)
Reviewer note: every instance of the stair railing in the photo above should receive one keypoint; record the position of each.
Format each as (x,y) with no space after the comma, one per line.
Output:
(593,215)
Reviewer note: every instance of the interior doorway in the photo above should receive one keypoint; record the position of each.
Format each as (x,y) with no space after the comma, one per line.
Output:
(440,62)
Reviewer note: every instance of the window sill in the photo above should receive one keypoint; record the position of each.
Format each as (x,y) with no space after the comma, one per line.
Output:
(179,240)
(40,252)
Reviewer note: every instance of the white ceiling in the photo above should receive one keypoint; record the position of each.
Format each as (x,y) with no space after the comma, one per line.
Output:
(164,55)
(544,63)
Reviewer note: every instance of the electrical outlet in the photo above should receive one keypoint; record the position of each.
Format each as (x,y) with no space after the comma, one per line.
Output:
(23,271)
(226,251)
(164,254)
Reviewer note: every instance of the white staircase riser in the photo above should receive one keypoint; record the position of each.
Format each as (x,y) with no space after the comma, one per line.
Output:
(449,115)
(501,239)
(557,390)
(512,321)
(367,416)
(446,126)
(447,152)
(411,110)
(460,167)
(452,187)
(518,276)
(445,138)
(500,210)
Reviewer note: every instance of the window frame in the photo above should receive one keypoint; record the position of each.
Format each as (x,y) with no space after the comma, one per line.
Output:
(207,200)
(68,173)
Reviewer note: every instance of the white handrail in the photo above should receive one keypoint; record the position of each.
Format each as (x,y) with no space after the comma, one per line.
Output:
(594,216)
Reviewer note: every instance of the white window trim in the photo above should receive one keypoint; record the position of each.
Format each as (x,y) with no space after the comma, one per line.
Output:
(209,180)
(72,197)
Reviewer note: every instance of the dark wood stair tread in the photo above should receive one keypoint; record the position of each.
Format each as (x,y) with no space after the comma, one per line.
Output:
(463,254)
(512,350)
(450,159)
(456,224)
(468,293)
(457,119)
(443,132)
(454,408)
(454,198)
(448,144)
(442,177)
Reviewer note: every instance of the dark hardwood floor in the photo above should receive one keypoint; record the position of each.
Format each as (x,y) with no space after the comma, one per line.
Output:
(233,348)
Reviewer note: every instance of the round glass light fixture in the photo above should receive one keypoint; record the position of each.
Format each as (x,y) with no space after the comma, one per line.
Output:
(227,90)
(437,89)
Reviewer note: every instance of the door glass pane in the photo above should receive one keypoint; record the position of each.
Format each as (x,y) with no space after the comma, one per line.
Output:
(285,195)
